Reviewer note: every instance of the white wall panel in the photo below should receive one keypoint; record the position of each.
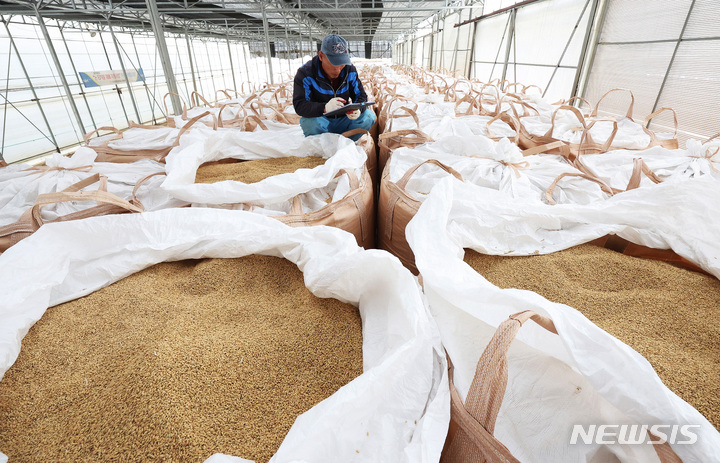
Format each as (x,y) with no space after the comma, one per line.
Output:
(703,20)
(676,69)
(639,68)
(490,38)
(543,29)
(693,88)
(644,20)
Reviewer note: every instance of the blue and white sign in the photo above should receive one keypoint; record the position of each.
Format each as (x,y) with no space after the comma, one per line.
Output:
(100,78)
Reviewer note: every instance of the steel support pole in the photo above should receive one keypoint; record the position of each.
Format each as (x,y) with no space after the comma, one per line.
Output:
(567,44)
(232,67)
(32,88)
(511,38)
(151,100)
(77,77)
(267,43)
(590,51)
(672,60)
(192,65)
(412,43)
(122,67)
(454,61)
(441,45)
(164,55)
(212,77)
(61,74)
(432,45)
(469,68)
(247,66)
(312,47)
(118,91)
(583,49)
(287,46)
(182,70)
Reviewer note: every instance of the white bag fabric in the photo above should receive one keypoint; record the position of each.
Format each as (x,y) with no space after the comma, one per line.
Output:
(698,159)
(209,120)
(183,161)
(464,126)
(499,165)
(310,201)
(20,184)
(397,410)
(583,375)
(142,138)
(630,134)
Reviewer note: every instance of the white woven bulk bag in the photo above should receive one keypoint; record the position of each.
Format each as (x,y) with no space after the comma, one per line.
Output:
(21,184)
(182,164)
(463,126)
(582,375)
(397,410)
(619,168)
(494,164)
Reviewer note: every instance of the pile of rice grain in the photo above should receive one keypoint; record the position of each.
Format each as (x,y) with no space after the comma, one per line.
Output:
(178,362)
(664,312)
(255,171)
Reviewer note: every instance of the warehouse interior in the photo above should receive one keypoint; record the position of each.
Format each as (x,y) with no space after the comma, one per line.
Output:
(505,251)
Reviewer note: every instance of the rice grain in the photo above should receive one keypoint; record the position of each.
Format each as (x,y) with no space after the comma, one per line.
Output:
(664,312)
(177,362)
(255,170)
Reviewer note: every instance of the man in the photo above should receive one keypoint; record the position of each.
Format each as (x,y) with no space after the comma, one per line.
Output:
(328,82)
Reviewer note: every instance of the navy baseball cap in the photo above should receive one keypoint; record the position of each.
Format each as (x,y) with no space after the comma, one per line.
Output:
(336,49)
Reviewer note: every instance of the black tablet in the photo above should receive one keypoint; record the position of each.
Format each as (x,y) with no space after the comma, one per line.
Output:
(348,108)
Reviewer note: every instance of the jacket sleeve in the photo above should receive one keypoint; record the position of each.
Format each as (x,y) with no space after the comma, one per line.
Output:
(301,98)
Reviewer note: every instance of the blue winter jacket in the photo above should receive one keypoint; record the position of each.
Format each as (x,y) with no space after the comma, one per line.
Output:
(313,90)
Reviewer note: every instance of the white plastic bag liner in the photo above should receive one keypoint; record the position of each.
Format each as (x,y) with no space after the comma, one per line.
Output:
(290,129)
(143,138)
(208,120)
(183,161)
(541,105)
(311,201)
(615,167)
(630,134)
(21,184)
(583,375)
(499,165)
(397,410)
(566,124)
(462,126)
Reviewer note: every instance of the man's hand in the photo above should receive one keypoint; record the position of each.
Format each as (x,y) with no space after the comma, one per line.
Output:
(335,103)
(352,115)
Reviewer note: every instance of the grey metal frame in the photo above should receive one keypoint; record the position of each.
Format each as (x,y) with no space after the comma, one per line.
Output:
(34,93)
(672,59)
(596,42)
(164,55)
(509,32)
(192,66)
(61,73)
(122,69)
(357,21)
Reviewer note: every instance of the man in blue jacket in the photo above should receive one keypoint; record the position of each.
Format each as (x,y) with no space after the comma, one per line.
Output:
(328,82)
